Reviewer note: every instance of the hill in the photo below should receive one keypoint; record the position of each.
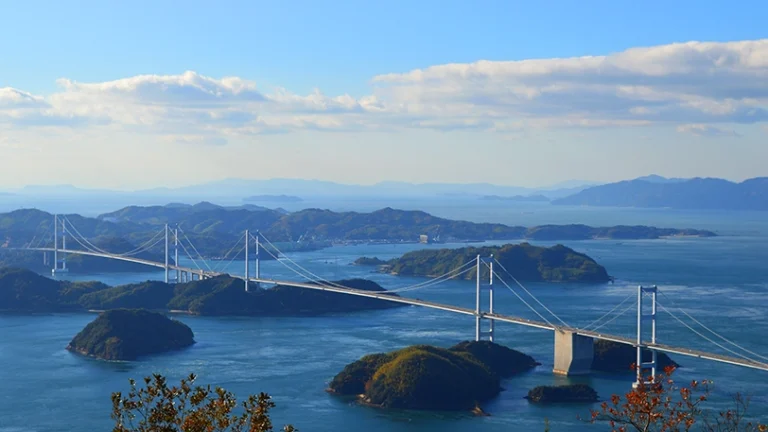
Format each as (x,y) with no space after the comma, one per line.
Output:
(529,263)
(25,291)
(124,334)
(214,230)
(697,193)
(424,377)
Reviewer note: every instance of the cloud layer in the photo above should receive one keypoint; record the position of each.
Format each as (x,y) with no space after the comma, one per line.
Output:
(691,86)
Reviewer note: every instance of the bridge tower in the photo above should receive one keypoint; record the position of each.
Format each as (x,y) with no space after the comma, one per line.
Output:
(176,253)
(478,298)
(643,316)
(166,253)
(59,264)
(248,236)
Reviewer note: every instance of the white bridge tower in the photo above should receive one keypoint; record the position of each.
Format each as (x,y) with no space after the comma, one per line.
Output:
(59,260)
(643,317)
(479,333)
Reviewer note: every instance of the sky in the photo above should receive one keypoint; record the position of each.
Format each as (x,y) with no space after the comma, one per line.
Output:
(141,94)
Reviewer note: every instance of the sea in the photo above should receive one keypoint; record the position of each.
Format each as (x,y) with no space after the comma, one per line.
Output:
(722,282)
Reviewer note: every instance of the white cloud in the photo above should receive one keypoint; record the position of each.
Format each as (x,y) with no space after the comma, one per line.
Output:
(694,85)
(706,130)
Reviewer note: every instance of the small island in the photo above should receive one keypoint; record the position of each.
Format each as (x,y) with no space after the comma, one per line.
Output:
(614,357)
(575,393)
(127,334)
(424,377)
(529,263)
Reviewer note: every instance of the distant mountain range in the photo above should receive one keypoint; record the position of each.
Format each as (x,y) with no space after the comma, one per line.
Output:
(652,191)
(292,190)
(659,192)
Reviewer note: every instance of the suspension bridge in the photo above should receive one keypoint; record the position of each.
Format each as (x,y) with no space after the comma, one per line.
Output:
(573,351)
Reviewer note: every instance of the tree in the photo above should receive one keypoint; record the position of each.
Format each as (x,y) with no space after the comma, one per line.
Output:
(658,405)
(188,408)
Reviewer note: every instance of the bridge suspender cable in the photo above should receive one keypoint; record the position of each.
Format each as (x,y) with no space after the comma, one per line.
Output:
(195,249)
(452,274)
(629,308)
(702,335)
(303,272)
(723,338)
(189,255)
(522,299)
(93,248)
(318,278)
(529,293)
(216,267)
(631,296)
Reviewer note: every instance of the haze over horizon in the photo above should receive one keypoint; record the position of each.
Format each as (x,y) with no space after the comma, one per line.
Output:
(507,94)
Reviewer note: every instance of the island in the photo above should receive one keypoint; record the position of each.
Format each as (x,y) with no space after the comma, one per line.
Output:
(424,377)
(214,229)
(127,334)
(574,393)
(529,263)
(614,357)
(26,291)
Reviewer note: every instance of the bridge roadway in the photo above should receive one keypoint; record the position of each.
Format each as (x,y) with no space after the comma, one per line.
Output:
(382,295)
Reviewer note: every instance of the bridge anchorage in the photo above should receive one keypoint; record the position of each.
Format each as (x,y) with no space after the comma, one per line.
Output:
(573,346)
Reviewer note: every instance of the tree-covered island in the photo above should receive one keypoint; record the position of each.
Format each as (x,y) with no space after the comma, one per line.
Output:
(25,291)
(424,377)
(127,334)
(528,263)
(213,229)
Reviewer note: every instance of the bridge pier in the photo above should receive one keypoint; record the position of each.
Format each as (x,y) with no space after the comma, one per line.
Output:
(573,353)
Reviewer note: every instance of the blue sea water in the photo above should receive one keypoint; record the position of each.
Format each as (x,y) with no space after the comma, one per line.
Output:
(721,281)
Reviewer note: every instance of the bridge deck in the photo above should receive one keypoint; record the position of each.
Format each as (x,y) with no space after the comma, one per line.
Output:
(381,295)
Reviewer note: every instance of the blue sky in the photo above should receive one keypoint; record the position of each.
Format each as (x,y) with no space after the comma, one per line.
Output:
(347,49)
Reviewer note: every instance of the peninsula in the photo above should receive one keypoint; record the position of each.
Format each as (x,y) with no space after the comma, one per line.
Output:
(424,377)
(25,291)
(124,334)
(528,263)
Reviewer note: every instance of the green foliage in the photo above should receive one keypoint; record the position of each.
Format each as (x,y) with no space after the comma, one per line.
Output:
(26,291)
(619,232)
(23,290)
(619,358)
(354,377)
(225,296)
(188,408)
(580,393)
(126,334)
(528,263)
(146,295)
(501,360)
(366,261)
(430,378)
(213,229)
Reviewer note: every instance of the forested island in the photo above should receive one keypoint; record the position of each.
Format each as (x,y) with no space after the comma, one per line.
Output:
(529,263)
(25,291)
(614,357)
(573,393)
(124,334)
(214,229)
(424,377)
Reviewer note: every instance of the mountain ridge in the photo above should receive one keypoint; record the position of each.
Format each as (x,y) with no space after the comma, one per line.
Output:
(696,193)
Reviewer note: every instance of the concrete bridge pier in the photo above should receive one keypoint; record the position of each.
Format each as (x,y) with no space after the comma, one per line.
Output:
(573,353)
